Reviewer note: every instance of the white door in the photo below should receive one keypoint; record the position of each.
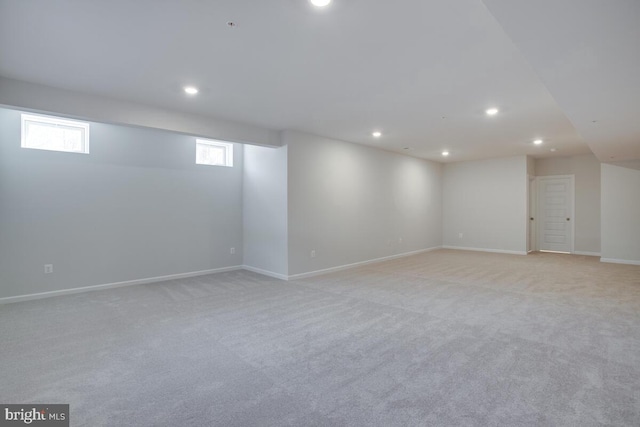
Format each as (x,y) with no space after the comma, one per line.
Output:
(555,213)
(532,214)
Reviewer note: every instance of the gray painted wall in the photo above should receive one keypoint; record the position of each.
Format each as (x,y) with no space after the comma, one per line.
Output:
(136,207)
(265,209)
(531,166)
(486,201)
(586,169)
(352,203)
(620,213)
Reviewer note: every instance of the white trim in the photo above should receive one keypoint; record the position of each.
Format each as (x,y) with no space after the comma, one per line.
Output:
(497,251)
(587,253)
(71,291)
(620,261)
(41,295)
(357,264)
(265,272)
(228,151)
(25,119)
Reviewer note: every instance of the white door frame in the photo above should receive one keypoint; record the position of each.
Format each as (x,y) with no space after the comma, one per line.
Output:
(532,214)
(572,207)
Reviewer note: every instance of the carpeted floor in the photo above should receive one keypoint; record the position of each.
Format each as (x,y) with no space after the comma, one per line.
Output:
(445,338)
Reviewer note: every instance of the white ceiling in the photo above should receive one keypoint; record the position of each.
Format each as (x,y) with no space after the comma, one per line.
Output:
(339,72)
(587,53)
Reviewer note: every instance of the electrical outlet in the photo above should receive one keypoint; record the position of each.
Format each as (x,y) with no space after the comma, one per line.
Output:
(313,253)
(232,251)
(460,235)
(48,268)
(399,240)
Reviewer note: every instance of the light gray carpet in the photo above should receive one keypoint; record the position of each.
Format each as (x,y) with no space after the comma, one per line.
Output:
(446,338)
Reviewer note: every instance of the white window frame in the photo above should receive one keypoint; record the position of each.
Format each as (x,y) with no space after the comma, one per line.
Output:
(54,122)
(227,146)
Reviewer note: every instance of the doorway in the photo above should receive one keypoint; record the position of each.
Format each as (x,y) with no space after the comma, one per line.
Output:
(532,214)
(555,225)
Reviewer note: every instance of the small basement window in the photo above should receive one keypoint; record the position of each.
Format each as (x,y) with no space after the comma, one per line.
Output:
(214,153)
(54,133)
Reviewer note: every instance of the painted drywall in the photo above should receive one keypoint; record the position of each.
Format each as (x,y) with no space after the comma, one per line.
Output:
(265,209)
(531,166)
(39,98)
(136,207)
(486,202)
(620,214)
(586,169)
(633,164)
(350,203)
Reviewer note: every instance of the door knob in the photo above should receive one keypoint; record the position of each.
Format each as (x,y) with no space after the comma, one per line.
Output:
(568,219)
(531,218)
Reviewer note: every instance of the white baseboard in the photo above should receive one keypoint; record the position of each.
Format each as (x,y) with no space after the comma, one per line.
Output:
(49,294)
(497,251)
(265,272)
(358,264)
(586,253)
(620,261)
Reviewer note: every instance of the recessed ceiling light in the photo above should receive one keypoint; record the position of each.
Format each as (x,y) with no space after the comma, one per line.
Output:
(320,3)
(377,134)
(537,142)
(492,111)
(445,153)
(190,90)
